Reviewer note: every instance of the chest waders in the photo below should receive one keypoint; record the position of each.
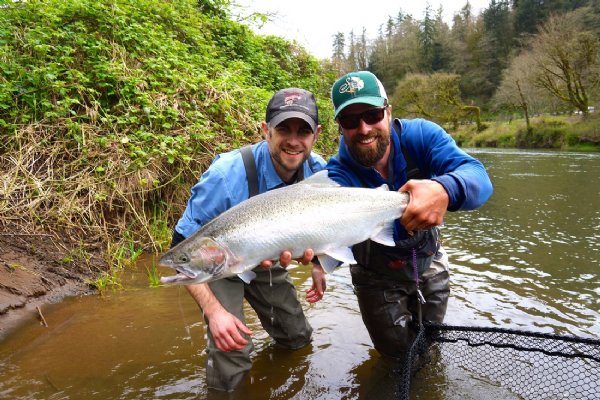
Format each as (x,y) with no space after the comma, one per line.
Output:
(387,282)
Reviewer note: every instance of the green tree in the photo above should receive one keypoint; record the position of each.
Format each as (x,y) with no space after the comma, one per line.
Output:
(339,58)
(427,40)
(495,46)
(386,59)
(441,60)
(405,54)
(362,51)
(567,60)
(433,96)
(379,56)
(528,15)
(352,63)
(467,57)
(517,91)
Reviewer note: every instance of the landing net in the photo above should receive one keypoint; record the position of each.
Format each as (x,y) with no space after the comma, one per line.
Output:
(530,365)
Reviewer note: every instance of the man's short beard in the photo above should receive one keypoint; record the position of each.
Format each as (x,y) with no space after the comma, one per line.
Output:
(370,157)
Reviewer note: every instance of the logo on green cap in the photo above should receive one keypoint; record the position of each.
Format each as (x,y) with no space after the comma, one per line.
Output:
(353,84)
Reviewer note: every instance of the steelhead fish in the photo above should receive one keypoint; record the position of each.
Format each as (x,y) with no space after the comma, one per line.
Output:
(315,213)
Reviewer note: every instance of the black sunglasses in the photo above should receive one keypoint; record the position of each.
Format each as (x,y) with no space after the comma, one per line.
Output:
(371,117)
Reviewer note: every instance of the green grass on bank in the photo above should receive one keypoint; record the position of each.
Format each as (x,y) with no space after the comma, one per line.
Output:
(547,132)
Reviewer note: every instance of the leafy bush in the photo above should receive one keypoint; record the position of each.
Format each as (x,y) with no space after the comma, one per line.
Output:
(109,110)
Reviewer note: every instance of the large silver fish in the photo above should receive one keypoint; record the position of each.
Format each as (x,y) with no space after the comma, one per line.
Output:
(316,213)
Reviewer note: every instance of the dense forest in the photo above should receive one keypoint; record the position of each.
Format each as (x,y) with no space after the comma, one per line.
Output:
(531,55)
(110,109)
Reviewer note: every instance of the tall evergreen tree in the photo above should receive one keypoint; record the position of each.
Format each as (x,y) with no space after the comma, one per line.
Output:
(406,54)
(351,63)
(427,40)
(529,14)
(496,45)
(441,60)
(339,57)
(362,51)
(378,58)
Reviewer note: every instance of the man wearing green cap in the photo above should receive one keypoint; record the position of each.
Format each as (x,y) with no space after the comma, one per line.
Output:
(419,157)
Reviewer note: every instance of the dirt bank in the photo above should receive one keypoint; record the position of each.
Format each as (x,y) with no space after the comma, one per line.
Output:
(36,269)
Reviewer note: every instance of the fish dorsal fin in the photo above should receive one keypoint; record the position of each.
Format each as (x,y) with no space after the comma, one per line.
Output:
(332,257)
(320,178)
(384,187)
(385,234)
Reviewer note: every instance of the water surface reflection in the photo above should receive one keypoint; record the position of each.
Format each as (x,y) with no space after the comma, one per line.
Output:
(528,260)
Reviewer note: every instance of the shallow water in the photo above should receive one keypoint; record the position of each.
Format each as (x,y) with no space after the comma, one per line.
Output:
(527,260)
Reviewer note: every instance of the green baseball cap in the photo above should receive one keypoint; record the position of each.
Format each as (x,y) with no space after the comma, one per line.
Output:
(357,87)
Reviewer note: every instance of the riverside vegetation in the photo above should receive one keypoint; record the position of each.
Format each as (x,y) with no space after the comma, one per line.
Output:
(110,109)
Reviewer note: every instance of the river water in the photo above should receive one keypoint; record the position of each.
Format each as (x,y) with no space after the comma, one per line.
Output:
(528,259)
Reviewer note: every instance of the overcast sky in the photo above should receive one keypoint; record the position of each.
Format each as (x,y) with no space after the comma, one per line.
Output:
(313,23)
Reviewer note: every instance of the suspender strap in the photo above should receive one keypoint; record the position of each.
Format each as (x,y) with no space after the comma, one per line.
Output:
(300,173)
(250,167)
(412,171)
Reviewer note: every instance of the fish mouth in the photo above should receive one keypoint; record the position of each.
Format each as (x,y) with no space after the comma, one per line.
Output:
(184,278)
(179,278)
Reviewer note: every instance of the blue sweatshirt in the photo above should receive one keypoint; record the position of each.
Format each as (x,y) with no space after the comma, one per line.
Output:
(436,155)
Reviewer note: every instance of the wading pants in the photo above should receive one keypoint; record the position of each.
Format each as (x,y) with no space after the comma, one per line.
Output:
(389,306)
(273,296)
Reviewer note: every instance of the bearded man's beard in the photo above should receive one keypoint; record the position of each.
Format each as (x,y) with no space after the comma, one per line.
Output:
(368,157)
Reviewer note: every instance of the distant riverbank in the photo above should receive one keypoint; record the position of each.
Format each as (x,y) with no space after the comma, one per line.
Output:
(564,132)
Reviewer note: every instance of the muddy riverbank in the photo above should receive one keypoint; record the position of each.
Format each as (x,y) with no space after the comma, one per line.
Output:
(37,269)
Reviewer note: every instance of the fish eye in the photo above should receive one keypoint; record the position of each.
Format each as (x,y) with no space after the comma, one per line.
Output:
(184,258)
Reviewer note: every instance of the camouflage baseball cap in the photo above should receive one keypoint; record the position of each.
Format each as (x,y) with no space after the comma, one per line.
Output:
(357,87)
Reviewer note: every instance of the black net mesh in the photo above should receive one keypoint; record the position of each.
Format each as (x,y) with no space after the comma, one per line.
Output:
(530,365)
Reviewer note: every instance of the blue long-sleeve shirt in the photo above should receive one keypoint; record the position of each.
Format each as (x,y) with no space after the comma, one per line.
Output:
(436,155)
(224,184)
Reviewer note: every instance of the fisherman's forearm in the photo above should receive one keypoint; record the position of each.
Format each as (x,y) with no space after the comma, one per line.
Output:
(207,301)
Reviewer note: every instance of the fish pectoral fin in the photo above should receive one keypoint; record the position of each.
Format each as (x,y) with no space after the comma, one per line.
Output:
(247,276)
(384,235)
(332,258)
(328,263)
(235,264)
